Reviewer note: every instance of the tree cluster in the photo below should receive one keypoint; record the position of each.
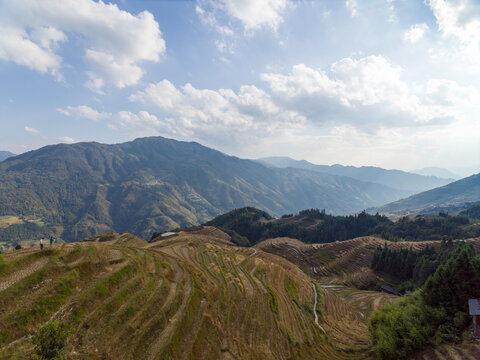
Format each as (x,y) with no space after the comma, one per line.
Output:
(436,313)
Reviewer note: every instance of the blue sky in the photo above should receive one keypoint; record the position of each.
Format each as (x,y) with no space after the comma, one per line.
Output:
(391,83)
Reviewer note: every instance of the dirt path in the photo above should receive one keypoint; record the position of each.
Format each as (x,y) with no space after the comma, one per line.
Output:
(12,279)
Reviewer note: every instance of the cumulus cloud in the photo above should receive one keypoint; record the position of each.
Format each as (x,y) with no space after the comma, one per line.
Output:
(84,112)
(449,93)
(222,114)
(31,129)
(415,33)
(116,40)
(367,92)
(459,20)
(252,14)
(67,140)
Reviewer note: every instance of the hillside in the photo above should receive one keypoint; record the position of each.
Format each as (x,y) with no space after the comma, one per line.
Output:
(156,184)
(248,226)
(411,183)
(436,171)
(195,296)
(186,298)
(5,154)
(455,194)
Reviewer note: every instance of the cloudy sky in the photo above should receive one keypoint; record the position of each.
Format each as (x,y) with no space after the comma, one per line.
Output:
(390,83)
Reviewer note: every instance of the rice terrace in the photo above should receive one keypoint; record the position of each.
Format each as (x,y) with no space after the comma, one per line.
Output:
(239,180)
(195,295)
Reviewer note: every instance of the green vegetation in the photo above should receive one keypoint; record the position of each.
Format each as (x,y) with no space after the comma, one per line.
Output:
(473,212)
(315,226)
(412,267)
(155,184)
(434,314)
(51,340)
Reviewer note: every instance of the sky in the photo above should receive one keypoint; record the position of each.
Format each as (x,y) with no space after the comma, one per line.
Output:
(389,83)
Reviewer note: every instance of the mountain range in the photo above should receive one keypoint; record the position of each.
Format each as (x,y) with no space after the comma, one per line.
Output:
(156,184)
(436,171)
(397,179)
(5,155)
(458,195)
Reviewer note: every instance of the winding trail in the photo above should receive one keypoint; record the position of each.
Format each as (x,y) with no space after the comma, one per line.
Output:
(254,252)
(315,308)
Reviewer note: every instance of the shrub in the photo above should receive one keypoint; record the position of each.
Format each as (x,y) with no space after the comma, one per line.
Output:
(51,340)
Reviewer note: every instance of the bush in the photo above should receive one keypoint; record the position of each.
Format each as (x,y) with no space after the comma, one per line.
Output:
(18,247)
(51,340)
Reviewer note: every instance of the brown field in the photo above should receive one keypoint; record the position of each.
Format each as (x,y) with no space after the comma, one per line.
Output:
(196,296)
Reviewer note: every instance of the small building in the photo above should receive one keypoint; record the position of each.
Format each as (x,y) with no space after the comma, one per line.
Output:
(388,290)
(474,310)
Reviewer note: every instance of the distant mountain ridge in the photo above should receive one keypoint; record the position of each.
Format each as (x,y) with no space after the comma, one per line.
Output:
(397,179)
(437,172)
(156,184)
(5,155)
(463,191)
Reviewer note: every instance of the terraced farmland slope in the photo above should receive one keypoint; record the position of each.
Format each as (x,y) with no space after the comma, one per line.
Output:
(339,266)
(191,296)
(345,262)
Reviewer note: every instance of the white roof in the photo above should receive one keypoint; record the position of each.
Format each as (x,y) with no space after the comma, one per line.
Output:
(474,306)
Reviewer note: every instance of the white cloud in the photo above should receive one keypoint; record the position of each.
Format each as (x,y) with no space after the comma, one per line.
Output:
(449,93)
(352,7)
(222,116)
(459,21)
(84,112)
(253,14)
(415,33)
(67,140)
(31,129)
(116,40)
(368,92)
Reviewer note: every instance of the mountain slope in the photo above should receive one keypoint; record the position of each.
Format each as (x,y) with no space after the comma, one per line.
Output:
(5,154)
(181,299)
(462,191)
(397,179)
(436,171)
(155,184)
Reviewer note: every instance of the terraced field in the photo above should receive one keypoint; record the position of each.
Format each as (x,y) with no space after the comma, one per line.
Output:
(345,262)
(192,296)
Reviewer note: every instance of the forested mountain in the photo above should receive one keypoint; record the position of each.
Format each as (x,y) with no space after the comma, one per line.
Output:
(459,192)
(248,226)
(5,154)
(411,183)
(153,184)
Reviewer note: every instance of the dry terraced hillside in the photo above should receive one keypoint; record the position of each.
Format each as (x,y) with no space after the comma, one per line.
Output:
(191,296)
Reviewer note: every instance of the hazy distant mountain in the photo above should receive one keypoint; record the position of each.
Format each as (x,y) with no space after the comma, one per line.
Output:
(5,154)
(436,171)
(412,183)
(153,184)
(459,192)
